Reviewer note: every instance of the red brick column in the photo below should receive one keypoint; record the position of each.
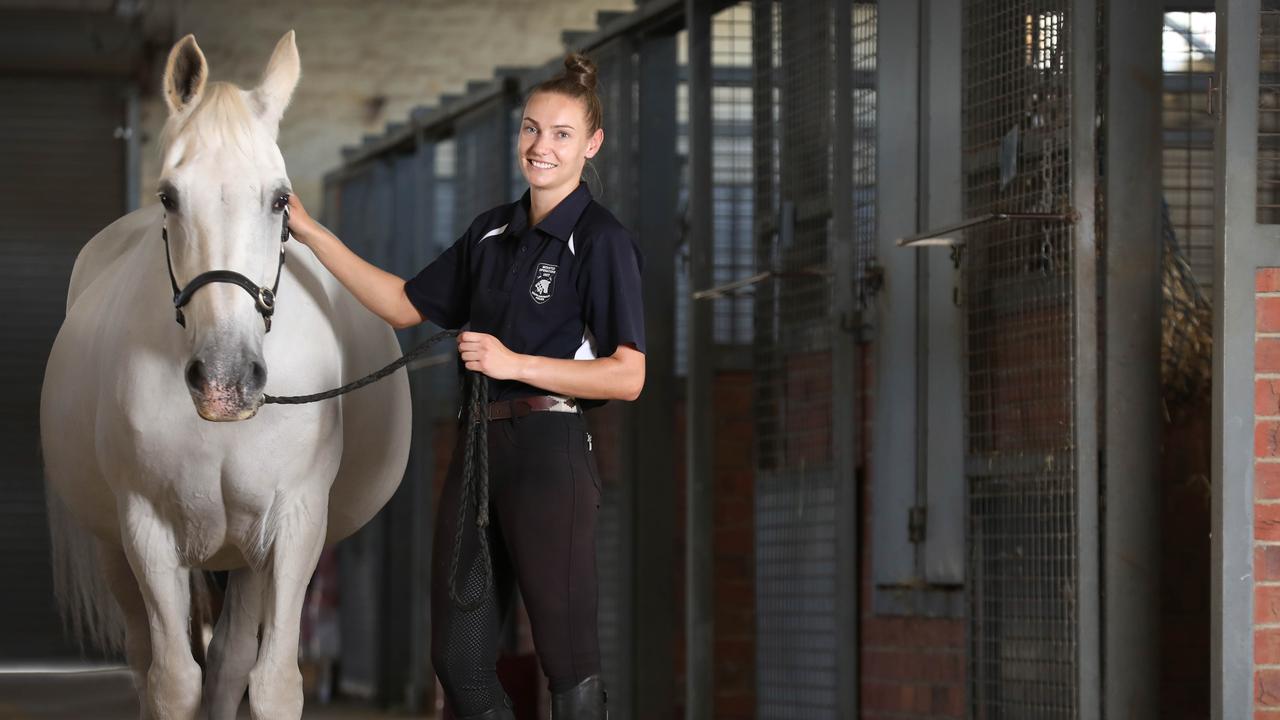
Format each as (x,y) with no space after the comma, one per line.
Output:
(1266,503)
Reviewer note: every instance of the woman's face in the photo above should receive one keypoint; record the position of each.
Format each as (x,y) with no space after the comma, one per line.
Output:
(554,141)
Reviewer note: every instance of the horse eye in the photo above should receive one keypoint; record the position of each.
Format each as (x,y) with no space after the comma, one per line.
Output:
(280,203)
(166,201)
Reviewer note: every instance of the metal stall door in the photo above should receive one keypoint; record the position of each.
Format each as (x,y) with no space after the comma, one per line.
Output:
(612,177)
(1031,387)
(58,140)
(364,222)
(803,456)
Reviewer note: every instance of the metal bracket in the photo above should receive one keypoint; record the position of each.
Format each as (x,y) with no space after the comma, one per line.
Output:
(731,288)
(917,517)
(941,236)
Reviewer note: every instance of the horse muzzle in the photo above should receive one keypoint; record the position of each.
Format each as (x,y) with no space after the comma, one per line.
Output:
(226,392)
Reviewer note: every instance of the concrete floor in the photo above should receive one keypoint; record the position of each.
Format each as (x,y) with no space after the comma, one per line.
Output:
(107,694)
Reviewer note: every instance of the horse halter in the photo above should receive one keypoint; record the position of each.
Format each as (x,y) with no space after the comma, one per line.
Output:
(264,298)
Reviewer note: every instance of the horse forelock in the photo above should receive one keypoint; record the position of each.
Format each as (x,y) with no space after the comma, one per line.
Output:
(221,121)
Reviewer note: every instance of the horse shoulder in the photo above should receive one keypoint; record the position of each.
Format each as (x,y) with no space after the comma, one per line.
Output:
(108,246)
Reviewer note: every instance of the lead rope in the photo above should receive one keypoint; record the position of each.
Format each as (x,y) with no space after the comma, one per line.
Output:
(475,470)
(475,481)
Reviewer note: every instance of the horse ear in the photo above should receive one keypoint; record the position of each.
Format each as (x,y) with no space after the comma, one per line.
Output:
(185,74)
(278,80)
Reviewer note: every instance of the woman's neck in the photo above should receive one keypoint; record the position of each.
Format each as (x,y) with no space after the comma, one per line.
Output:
(542,202)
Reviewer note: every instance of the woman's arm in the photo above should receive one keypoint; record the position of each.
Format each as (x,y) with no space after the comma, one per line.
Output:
(617,377)
(380,291)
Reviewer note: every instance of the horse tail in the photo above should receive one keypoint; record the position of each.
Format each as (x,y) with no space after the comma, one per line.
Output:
(89,612)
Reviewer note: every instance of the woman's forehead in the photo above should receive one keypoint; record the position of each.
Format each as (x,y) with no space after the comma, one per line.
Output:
(550,109)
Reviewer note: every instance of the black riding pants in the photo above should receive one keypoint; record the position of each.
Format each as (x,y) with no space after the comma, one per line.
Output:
(544,497)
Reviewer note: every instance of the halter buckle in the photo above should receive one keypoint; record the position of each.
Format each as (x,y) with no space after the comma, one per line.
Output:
(266,301)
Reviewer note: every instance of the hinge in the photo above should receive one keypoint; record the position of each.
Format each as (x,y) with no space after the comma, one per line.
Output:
(1212,96)
(916,518)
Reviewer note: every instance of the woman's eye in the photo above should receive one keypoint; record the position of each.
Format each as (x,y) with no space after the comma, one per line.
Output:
(529,130)
(564,136)
(166,201)
(280,203)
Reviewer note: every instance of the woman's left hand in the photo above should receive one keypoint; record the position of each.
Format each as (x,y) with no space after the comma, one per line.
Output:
(486,354)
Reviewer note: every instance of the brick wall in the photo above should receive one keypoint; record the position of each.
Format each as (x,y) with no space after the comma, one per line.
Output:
(364,64)
(1266,510)
(734,554)
(912,668)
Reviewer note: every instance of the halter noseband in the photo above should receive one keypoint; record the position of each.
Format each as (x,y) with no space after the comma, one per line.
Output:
(264,298)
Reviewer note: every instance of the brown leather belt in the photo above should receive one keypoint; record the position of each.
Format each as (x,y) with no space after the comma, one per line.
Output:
(506,409)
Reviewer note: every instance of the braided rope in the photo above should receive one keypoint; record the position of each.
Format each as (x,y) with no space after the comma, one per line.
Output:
(369,379)
(475,481)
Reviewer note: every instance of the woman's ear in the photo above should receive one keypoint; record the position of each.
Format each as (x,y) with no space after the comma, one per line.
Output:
(594,142)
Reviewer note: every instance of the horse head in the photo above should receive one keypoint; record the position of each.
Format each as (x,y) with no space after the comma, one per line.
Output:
(224,189)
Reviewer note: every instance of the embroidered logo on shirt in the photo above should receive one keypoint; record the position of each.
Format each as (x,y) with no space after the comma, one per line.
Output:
(543,281)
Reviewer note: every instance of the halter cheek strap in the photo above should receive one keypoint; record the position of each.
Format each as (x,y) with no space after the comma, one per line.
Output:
(264,298)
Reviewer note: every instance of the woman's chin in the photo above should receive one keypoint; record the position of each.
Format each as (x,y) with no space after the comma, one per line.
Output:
(544,180)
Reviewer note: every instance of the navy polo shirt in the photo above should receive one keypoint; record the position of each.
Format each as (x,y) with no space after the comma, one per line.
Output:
(568,287)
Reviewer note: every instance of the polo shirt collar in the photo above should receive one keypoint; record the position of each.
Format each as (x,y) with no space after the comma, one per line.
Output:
(558,223)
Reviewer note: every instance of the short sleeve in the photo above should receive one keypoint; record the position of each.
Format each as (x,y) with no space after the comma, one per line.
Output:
(612,303)
(441,291)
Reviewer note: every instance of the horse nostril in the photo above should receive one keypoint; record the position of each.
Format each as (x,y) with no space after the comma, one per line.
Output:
(195,375)
(258,375)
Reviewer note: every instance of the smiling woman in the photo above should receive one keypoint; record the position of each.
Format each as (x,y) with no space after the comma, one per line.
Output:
(549,290)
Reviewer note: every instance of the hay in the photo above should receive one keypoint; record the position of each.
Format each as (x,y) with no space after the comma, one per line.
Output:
(1186,323)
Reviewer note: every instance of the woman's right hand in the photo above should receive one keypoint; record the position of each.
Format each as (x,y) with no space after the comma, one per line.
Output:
(302,226)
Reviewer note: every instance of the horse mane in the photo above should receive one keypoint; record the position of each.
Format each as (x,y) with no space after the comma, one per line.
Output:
(221,119)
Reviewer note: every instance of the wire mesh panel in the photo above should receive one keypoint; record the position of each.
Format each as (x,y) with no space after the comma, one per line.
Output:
(733,195)
(793,48)
(1189,58)
(1020,352)
(483,145)
(733,246)
(864,145)
(446,222)
(1269,114)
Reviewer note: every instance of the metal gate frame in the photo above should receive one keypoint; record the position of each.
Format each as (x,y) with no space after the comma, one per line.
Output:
(1241,247)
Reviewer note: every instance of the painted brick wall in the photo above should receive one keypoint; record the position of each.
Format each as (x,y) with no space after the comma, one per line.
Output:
(1266,529)
(364,64)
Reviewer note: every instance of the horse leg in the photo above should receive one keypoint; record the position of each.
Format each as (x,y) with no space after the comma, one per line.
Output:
(173,679)
(137,637)
(275,683)
(235,644)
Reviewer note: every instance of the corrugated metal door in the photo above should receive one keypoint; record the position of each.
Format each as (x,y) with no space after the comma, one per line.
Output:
(62,178)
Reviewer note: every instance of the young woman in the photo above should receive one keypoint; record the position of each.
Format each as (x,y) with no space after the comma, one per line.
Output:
(550,286)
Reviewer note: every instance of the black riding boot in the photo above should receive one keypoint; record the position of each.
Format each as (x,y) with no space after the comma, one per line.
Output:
(502,712)
(584,701)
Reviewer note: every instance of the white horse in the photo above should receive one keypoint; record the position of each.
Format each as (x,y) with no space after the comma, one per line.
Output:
(143,489)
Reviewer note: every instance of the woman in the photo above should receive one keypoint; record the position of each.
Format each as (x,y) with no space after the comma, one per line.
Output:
(550,286)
